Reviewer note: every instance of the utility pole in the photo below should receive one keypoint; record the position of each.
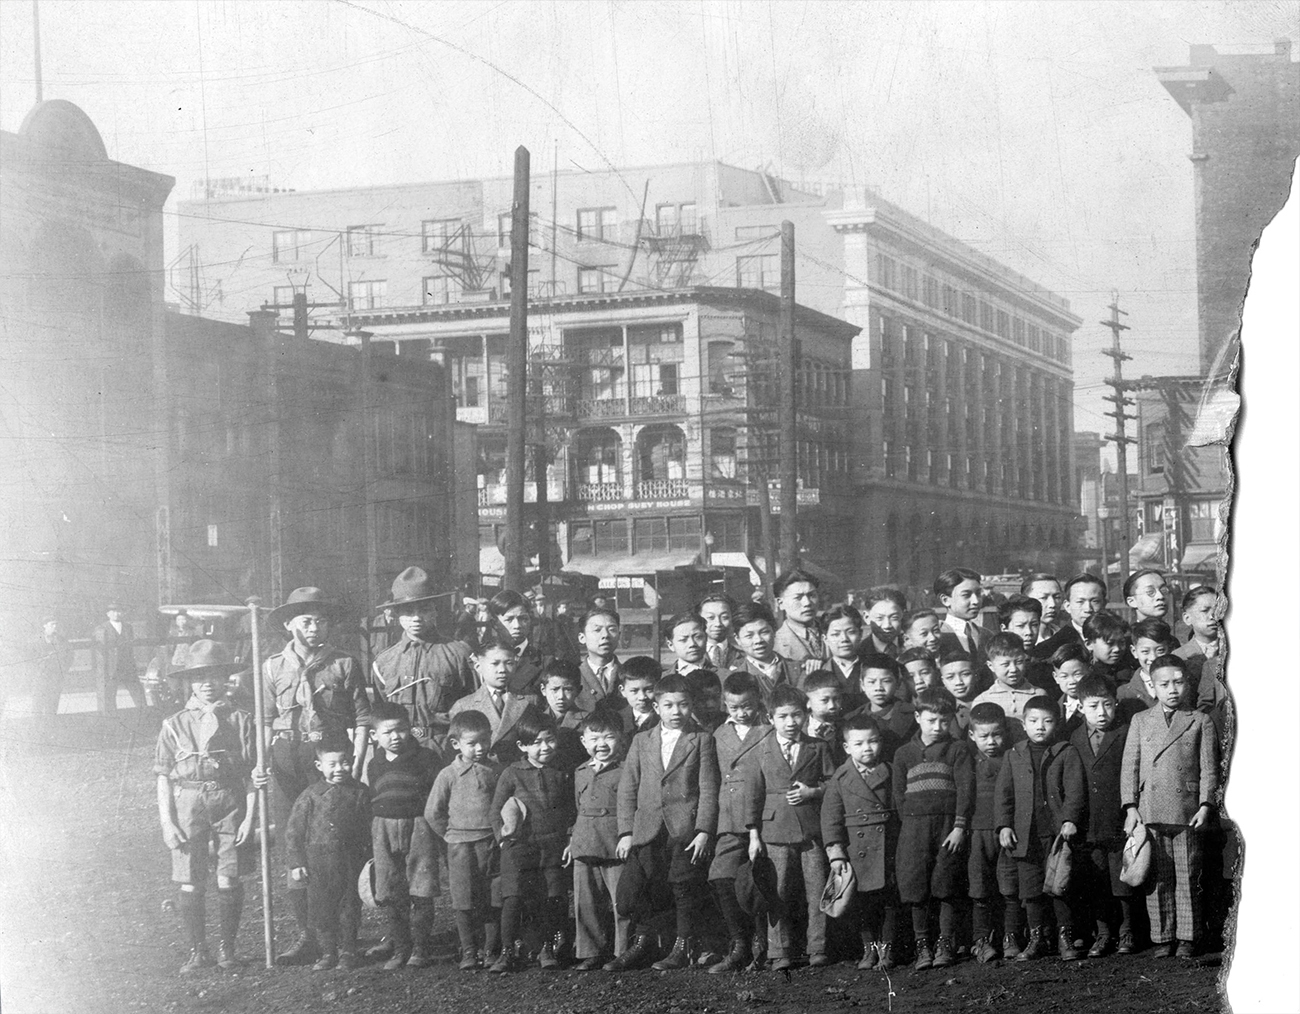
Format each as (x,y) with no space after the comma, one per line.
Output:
(1120,437)
(516,378)
(367,468)
(787,376)
(36,43)
(300,315)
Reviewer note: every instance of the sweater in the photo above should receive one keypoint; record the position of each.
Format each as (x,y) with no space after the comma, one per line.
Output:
(399,788)
(934,780)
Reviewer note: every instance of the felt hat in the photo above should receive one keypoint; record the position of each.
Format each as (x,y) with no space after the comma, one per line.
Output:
(303,600)
(1135,864)
(113,606)
(411,585)
(206,659)
(756,886)
(366,884)
(839,891)
(513,815)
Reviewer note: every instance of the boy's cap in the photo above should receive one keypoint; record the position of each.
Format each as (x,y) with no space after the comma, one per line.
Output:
(366,884)
(412,585)
(513,815)
(206,659)
(303,600)
(756,885)
(839,891)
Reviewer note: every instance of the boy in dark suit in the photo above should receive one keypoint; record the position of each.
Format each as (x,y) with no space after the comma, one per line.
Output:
(1169,780)
(1099,742)
(667,816)
(756,638)
(990,868)
(825,711)
(786,784)
(636,695)
(859,804)
(596,870)
(1027,820)
(494,662)
(1070,664)
(895,717)
(844,631)
(559,682)
(1151,640)
(735,741)
(1106,636)
(934,790)
(598,633)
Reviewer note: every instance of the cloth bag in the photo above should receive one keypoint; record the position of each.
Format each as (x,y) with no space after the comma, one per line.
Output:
(1056,879)
(1136,863)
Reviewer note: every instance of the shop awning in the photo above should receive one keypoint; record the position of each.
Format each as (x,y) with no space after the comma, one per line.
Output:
(490,561)
(1201,557)
(740,561)
(1148,551)
(637,565)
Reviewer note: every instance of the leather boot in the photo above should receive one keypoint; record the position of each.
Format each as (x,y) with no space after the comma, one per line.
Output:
(869,955)
(1066,946)
(678,957)
(636,956)
(422,914)
(1036,947)
(736,959)
(305,949)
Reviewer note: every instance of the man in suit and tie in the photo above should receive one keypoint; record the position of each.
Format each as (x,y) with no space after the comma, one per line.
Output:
(756,634)
(1046,590)
(667,817)
(598,631)
(1170,781)
(115,657)
(494,662)
(962,595)
(799,638)
(1085,596)
(716,611)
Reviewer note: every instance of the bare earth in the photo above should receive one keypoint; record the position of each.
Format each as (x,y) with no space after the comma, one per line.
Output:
(86,926)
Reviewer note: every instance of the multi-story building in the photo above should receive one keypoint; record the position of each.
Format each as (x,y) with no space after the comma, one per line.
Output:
(961,415)
(1245,111)
(157,458)
(963,404)
(657,425)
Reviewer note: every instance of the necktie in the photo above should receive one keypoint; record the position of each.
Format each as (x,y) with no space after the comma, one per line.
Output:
(496,700)
(716,654)
(788,750)
(1096,738)
(1211,649)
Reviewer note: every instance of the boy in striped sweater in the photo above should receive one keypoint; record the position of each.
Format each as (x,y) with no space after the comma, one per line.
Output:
(934,790)
(401,774)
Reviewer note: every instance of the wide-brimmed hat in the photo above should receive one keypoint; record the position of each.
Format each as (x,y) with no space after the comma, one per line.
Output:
(412,585)
(206,659)
(513,815)
(756,886)
(366,884)
(303,600)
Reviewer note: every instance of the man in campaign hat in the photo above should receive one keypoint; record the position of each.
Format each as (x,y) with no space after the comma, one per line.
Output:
(313,692)
(421,672)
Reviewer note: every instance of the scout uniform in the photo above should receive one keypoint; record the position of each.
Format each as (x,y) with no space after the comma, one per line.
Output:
(860,825)
(206,752)
(424,677)
(306,701)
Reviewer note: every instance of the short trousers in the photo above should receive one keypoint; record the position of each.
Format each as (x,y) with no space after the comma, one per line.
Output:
(925,868)
(529,868)
(1031,869)
(472,871)
(406,858)
(991,870)
(207,817)
(730,853)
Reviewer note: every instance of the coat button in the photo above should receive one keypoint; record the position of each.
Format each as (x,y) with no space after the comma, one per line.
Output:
(860,834)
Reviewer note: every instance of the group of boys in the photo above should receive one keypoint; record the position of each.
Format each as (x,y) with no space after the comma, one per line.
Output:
(910,760)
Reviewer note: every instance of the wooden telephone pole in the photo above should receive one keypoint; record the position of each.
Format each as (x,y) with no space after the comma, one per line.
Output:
(517,378)
(787,374)
(1120,437)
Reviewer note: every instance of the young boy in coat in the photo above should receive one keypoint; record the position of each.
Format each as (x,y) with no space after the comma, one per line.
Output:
(990,869)
(596,869)
(1099,742)
(494,663)
(786,784)
(1170,781)
(735,741)
(860,827)
(1028,822)
(667,816)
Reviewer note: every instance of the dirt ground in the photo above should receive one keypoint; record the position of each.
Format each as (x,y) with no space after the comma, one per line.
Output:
(87,926)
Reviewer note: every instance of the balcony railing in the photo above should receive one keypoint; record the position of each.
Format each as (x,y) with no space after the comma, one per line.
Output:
(494,495)
(611,408)
(662,489)
(597,492)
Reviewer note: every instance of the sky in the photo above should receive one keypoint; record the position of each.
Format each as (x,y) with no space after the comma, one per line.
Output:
(1036,132)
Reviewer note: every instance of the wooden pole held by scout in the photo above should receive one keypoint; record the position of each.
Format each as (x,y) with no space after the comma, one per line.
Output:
(263,817)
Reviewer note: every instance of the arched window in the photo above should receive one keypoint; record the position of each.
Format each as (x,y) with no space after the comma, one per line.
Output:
(661,462)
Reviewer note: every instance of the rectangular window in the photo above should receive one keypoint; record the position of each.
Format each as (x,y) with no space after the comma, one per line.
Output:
(684,533)
(1018,330)
(439,234)
(597,224)
(750,233)
(471,392)
(986,316)
(885,270)
(728,531)
(667,378)
(1003,326)
(911,287)
(968,312)
(505,229)
(368,295)
(1035,339)
(580,540)
(722,453)
(363,240)
(665,218)
(930,292)
(441,289)
(598,279)
(688,219)
(1155,448)
(651,535)
(759,271)
(282,297)
(611,537)
(289,245)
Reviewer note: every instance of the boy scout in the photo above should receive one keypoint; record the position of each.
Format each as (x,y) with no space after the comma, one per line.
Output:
(419,673)
(204,763)
(313,692)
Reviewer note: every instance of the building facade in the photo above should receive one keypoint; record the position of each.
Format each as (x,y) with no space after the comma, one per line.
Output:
(961,415)
(1245,113)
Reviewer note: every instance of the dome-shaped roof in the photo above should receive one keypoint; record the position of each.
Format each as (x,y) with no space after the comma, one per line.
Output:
(63,129)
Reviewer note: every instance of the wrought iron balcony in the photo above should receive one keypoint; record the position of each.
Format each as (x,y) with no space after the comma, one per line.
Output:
(598,492)
(662,489)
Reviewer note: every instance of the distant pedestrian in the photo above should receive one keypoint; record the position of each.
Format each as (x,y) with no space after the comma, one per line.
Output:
(115,663)
(52,660)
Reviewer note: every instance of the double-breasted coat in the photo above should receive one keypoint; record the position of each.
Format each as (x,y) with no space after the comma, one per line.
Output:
(860,824)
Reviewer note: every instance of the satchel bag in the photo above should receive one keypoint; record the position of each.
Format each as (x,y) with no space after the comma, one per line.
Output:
(1056,880)
(1136,864)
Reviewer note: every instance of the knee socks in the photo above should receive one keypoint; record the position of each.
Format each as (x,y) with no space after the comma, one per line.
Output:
(1125,915)
(491,930)
(1013,915)
(685,902)
(189,906)
(465,930)
(554,918)
(230,901)
(298,902)
(422,913)
(1036,909)
(921,921)
(947,918)
(739,925)
(1064,917)
(511,916)
(982,918)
